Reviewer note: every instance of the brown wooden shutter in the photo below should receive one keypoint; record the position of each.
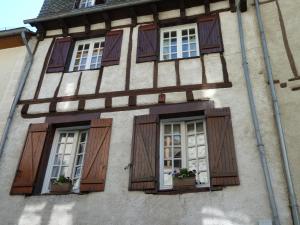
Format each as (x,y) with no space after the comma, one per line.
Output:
(147,48)
(222,158)
(144,153)
(112,48)
(96,156)
(210,36)
(30,159)
(59,55)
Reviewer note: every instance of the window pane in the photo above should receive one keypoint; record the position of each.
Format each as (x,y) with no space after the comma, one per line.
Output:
(68,149)
(199,127)
(166,35)
(193,53)
(192,153)
(176,128)
(177,165)
(168,165)
(177,140)
(63,171)
(62,138)
(184,32)
(173,42)
(192,165)
(203,177)
(192,31)
(190,128)
(168,141)
(201,151)
(173,34)
(79,159)
(177,152)
(60,148)
(193,47)
(174,49)
(58,159)
(185,47)
(174,56)
(77,171)
(191,141)
(200,139)
(184,40)
(202,165)
(54,171)
(167,129)
(185,55)
(166,50)
(168,179)
(66,160)
(167,153)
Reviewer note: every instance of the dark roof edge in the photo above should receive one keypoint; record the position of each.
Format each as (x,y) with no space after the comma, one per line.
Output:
(80,12)
(15,31)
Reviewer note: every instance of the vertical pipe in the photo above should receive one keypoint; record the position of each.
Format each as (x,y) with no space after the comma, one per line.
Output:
(259,140)
(17,95)
(283,148)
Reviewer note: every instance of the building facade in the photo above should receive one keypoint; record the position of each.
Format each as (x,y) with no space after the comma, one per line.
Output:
(121,95)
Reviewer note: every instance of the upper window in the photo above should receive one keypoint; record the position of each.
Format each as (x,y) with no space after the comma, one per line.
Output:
(66,158)
(183,145)
(86,3)
(179,42)
(87,54)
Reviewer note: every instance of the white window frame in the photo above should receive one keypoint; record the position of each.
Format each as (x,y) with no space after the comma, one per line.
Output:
(91,43)
(183,121)
(178,30)
(76,130)
(86,6)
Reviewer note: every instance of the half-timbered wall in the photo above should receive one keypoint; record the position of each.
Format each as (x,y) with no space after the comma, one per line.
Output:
(65,94)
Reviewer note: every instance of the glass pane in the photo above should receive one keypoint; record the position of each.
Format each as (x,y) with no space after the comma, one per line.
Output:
(193,54)
(174,49)
(173,42)
(86,47)
(177,140)
(193,40)
(77,61)
(200,139)
(62,138)
(79,159)
(166,35)
(168,165)
(177,152)
(185,47)
(184,32)
(66,160)
(94,60)
(176,129)
(190,128)
(68,148)
(102,44)
(166,43)
(193,46)
(58,159)
(77,171)
(96,45)
(54,171)
(80,47)
(201,151)
(167,129)
(60,148)
(166,50)
(168,141)
(83,137)
(202,165)
(70,138)
(166,57)
(63,171)
(174,56)
(173,34)
(184,40)
(191,141)
(185,55)
(199,127)
(203,177)
(168,179)
(81,148)
(167,153)
(192,165)
(192,153)
(83,61)
(192,31)
(177,164)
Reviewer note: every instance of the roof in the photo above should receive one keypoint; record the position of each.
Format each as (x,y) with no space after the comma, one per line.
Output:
(13,32)
(58,9)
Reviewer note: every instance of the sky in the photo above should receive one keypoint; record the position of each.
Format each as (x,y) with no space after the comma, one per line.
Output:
(13,12)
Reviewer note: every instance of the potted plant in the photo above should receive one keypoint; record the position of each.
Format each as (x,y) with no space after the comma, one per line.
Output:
(61,185)
(184,179)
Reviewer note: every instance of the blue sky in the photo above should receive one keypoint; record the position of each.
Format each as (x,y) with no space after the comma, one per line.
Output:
(12,13)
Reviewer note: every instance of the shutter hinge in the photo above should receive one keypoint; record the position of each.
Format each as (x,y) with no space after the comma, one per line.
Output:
(128,166)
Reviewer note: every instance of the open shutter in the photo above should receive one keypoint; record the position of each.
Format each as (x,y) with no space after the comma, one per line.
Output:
(222,158)
(144,153)
(147,48)
(96,156)
(59,55)
(29,162)
(210,36)
(112,48)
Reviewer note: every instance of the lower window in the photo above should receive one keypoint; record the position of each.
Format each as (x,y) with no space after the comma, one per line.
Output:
(183,145)
(66,158)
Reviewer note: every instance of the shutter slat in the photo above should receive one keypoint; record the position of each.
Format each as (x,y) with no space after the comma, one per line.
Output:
(30,159)
(112,48)
(210,36)
(96,156)
(222,158)
(144,150)
(147,48)
(59,55)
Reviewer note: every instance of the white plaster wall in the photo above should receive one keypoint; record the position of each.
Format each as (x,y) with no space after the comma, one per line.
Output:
(67,106)
(69,84)
(121,22)
(195,10)
(117,73)
(49,85)
(166,74)
(76,29)
(145,19)
(88,82)
(95,104)
(169,14)
(190,71)
(213,68)
(37,66)
(54,32)
(141,75)
(97,26)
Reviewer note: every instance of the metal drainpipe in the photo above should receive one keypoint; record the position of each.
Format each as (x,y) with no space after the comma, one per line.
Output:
(259,140)
(283,148)
(17,95)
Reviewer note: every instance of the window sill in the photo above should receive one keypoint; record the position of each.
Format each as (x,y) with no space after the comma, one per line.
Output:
(83,70)
(179,59)
(184,191)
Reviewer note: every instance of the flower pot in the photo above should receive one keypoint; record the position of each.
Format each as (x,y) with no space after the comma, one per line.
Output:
(183,183)
(61,187)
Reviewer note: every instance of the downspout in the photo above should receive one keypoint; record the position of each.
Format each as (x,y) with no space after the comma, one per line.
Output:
(19,90)
(259,140)
(283,148)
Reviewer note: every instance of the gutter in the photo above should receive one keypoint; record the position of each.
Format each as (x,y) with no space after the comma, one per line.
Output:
(18,94)
(283,147)
(258,135)
(84,11)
